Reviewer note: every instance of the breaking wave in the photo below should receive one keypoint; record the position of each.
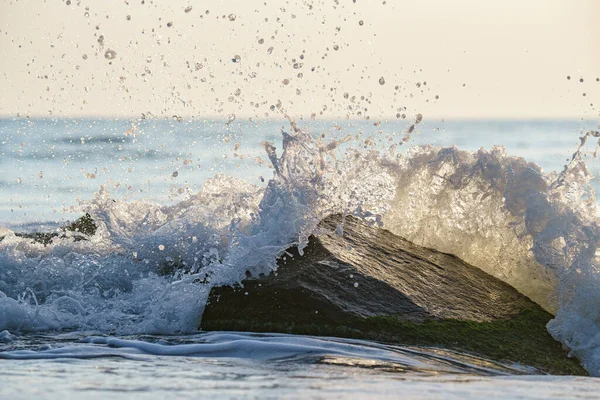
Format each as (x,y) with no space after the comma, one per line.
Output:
(149,268)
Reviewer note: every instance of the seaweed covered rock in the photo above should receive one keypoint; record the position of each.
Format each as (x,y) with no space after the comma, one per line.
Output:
(369,283)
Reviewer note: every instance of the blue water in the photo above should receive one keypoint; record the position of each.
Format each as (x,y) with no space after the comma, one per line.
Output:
(50,296)
(49,165)
(238,365)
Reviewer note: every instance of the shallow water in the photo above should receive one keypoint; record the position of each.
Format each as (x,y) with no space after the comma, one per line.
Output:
(242,365)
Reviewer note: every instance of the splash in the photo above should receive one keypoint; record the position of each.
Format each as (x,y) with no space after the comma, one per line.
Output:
(149,268)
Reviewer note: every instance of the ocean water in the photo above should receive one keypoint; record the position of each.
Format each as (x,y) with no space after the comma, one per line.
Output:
(514,198)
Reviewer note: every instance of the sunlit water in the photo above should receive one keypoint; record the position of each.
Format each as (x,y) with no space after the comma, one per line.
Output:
(238,365)
(48,165)
(157,206)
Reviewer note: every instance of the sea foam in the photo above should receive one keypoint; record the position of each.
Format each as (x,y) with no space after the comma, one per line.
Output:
(149,268)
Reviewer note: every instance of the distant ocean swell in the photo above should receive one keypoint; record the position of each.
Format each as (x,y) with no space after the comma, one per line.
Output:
(149,268)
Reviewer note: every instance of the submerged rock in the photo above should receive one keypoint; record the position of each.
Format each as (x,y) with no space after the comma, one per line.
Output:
(369,283)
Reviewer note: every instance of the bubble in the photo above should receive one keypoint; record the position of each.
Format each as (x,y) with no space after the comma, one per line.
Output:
(128,18)
(110,54)
(175,174)
(149,59)
(437,97)
(85,56)
(169,24)
(261,41)
(86,14)
(569,77)
(361,23)
(355,284)
(188,9)
(236,59)
(19,180)
(597,79)
(270,50)
(68,2)
(418,118)
(237,92)
(581,80)
(161,247)
(336,47)
(231,17)
(382,81)
(286,82)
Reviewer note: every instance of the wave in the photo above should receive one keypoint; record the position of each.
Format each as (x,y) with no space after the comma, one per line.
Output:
(276,348)
(141,271)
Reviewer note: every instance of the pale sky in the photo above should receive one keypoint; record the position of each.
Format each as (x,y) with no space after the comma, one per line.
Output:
(483,58)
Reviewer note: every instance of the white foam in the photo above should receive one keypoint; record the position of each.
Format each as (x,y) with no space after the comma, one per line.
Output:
(537,232)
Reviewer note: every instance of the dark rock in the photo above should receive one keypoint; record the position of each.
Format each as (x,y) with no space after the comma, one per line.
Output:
(369,272)
(405,294)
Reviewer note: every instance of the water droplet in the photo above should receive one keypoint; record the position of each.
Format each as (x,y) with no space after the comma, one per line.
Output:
(175,174)
(232,17)
(286,81)
(270,50)
(110,54)
(237,92)
(355,284)
(149,59)
(19,180)
(261,41)
(161,247)
(86,14)
(84,56)
(381,81)
(169,24)
(188,9)
(236,58)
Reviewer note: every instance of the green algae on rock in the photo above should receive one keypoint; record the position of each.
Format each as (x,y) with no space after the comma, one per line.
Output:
(371,284)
